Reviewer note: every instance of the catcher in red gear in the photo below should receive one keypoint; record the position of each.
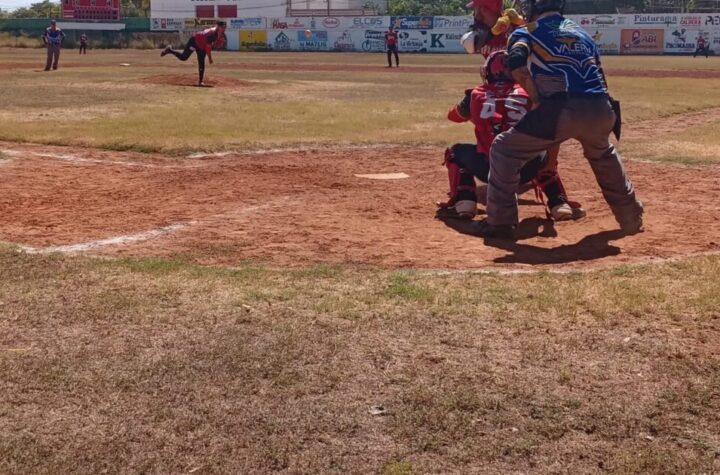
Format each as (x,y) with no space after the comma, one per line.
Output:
(495,107)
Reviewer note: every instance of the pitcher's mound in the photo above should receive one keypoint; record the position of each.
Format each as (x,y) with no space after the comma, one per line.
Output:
(192,81)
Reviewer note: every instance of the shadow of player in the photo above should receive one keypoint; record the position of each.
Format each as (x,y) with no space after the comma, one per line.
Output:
(592,247)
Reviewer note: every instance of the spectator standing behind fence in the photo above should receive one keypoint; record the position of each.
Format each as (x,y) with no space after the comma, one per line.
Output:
(83,43)
(391,44)
(53,39)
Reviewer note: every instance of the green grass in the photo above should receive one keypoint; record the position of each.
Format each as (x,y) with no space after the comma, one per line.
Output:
(696,145)
(105,105)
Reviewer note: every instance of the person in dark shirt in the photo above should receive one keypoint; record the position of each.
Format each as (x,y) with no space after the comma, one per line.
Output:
(702,47)
(391,45)
(83,43)
(53,38)
(202,43)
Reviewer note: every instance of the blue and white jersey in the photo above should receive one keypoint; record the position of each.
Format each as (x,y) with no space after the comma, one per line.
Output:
(54,37)
(561,56)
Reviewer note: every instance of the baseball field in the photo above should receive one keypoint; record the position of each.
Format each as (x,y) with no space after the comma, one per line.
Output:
(248,277)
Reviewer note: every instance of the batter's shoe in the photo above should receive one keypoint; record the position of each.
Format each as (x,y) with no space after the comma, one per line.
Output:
(465,209)
(565,212)
(630,218)
(502,231)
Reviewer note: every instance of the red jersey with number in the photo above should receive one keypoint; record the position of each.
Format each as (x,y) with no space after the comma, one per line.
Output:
(701,43)
(206,39)
(492,108)
(391,38)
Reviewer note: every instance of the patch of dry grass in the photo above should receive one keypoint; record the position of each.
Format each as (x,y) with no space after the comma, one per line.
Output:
(106,105)
(147,365)
(697,145)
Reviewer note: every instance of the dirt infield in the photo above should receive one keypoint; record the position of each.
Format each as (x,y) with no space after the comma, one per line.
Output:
(191,80)
(299,207)
(379,68)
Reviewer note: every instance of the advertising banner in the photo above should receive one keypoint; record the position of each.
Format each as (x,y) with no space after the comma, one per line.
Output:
(681,40)
(642,41)
(412,22)
(343,41)
(599,21)
(366,22)
(445,41)
(452,23)
(282,40)
(370,40)
(607,41)
(316,40)
(292,23)
(253,40)
(199,23)
(166,24)
(256,23)
(414,41)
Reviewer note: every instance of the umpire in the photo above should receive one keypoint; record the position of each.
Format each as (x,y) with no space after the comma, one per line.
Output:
(53,38)
(558,64)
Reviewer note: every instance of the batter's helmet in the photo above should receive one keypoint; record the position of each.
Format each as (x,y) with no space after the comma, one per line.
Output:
(533,8)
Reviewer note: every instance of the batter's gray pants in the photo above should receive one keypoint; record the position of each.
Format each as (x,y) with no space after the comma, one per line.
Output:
(590,121)
(53,56)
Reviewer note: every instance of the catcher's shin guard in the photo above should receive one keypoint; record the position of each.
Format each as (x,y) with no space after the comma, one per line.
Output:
(463,199)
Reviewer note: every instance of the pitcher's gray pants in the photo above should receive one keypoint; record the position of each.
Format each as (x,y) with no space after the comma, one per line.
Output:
(590,121)
(53,56)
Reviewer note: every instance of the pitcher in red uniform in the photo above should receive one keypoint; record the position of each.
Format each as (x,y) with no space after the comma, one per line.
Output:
(493,108)
(391,45)
(202,43)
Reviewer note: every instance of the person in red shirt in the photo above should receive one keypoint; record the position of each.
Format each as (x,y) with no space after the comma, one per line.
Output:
(83,43)
(391,45)
(495,107)
(702,47)
(202,43)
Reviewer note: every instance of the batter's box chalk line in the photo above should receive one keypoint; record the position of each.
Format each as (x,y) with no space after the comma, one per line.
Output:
(151,234)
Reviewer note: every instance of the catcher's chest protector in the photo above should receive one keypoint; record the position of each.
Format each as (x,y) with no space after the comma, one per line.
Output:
(495,108)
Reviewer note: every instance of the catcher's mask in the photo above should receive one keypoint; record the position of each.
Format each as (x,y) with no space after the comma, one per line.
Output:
(495,68)
(474,40)
(532,8)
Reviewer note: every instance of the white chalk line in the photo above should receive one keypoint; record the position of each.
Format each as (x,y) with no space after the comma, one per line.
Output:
(309,148)
(77,159)
(147,235)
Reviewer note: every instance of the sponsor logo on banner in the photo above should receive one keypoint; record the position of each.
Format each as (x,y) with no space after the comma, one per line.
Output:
(604,44)
(241,23)
(199,23)
(642,41)
(416,41)
(599,20)
(712,20)
(316,40)
(368,22)
(452,22)
(167,24)
(281,42)
(412,22)
(666,20)
(289,24)
(680,41)
(331,22)
(691,20)
(374,40)
(344,42)
(252,40)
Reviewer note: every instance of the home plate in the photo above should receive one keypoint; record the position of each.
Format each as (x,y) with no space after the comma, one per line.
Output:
(124,64)
(384,176)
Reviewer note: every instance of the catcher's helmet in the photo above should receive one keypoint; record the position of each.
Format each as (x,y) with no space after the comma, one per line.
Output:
(533,8)
(495,68)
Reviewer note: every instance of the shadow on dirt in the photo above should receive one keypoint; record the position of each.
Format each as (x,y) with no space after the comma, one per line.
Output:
(594,246)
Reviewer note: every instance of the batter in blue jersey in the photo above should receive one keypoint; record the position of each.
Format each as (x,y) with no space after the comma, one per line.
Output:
(558,64)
